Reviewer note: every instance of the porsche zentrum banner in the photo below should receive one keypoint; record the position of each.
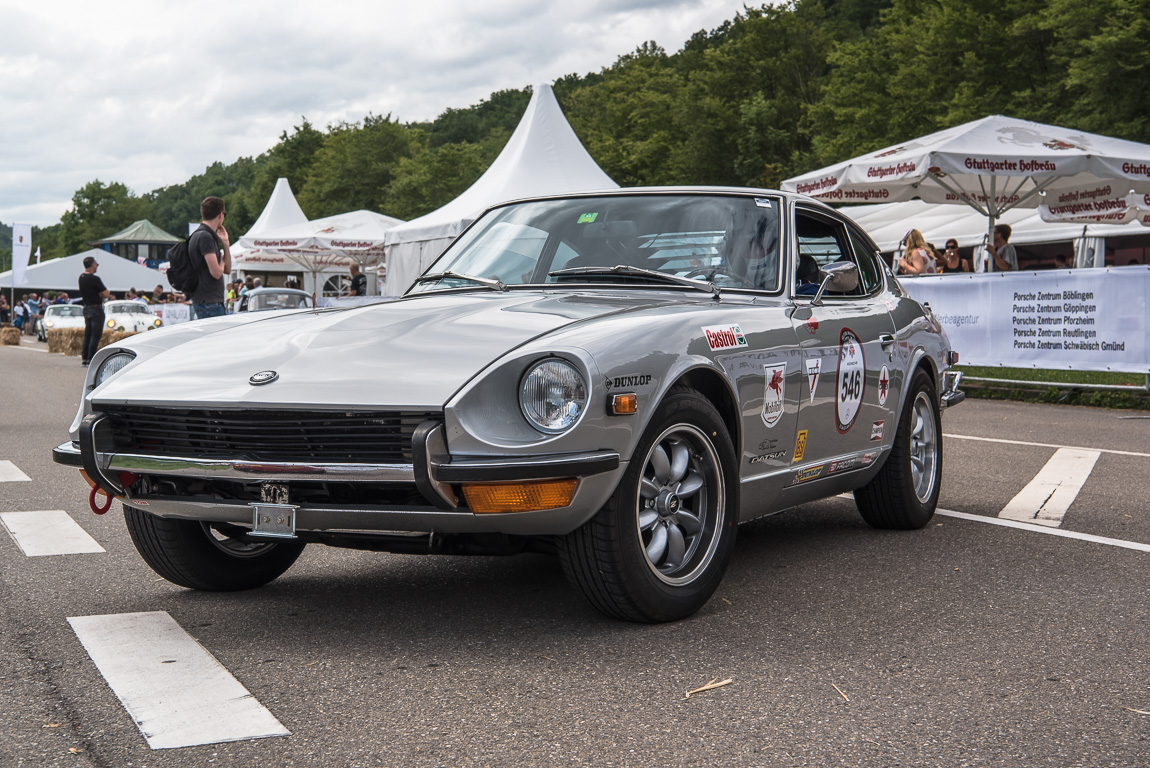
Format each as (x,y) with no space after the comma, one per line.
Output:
(1090,320)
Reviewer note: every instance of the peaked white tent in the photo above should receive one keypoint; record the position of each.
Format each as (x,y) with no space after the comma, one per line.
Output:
(542,157)
(118,274)
(281,211)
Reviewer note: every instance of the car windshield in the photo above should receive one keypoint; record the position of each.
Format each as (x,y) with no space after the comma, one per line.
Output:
(729,240)
(261,301)
(122,307)
(65,310)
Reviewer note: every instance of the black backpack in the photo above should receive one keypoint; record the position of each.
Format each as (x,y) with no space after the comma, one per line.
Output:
(182,274)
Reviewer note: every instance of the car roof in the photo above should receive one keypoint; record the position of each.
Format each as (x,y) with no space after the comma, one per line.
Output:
(260,291)
(673,190)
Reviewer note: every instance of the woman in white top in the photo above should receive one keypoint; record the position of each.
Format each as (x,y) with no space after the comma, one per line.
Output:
(917,258)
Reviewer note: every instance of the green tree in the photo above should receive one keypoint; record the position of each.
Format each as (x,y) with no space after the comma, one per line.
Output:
(99,210)
(431,178)
(354,166)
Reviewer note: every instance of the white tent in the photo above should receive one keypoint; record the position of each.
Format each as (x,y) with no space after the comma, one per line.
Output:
(542,157)
(281,211)
(118,274)
(328,245)
(994,165)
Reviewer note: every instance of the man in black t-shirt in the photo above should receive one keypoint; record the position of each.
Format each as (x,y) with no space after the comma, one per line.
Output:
(204,251)
(358,282)
(92,295)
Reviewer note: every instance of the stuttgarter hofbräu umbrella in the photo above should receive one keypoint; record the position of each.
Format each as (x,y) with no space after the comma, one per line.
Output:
(995,164)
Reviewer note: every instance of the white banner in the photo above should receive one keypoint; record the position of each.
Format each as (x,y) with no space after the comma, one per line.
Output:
(173,313)
(1090,320)
(21,252)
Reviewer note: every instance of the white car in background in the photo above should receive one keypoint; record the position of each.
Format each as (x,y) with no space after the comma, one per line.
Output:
(59,316)
(130,316)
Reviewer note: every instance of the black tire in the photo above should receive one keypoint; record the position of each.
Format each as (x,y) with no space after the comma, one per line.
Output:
(195,555)
(904,494)
(658,549)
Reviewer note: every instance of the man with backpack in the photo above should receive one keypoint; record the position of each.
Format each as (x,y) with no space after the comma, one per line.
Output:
(204,246)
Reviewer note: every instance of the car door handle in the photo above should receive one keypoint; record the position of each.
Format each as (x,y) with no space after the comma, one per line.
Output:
(886,340)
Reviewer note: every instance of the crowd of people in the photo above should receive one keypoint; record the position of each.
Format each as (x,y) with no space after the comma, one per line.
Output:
(922,258)
(29,308)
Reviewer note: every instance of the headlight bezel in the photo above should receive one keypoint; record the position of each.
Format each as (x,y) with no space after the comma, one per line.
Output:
(548,373)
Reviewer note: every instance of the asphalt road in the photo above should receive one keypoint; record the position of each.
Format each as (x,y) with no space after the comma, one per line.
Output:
(963,644)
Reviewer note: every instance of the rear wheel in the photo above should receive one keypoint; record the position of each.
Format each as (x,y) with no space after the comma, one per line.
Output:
(216,558)
(658,549)
(904,494)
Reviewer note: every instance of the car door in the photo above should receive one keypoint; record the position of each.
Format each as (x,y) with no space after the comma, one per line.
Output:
(846,341)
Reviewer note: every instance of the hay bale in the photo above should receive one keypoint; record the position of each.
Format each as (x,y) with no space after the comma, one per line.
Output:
(111,337)
(10,337)
(68,340)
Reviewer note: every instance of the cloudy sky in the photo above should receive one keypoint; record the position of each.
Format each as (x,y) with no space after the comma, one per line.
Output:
(150,92)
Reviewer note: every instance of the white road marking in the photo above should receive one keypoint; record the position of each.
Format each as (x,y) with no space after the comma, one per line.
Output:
(49,532)
(10,473)
(1043,445)
(1044,529)
(1046,498)
(21,346)
(177,693)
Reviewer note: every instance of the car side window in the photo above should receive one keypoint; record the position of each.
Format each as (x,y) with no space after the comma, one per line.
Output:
(866,256)
(822,241)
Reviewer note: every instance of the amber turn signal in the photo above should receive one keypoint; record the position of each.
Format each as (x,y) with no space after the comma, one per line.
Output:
(623,404)
(484,499)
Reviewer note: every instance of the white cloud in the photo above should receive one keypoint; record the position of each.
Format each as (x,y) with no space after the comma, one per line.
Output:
(150,93)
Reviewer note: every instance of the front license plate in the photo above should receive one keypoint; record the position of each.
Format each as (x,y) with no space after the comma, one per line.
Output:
(274,520)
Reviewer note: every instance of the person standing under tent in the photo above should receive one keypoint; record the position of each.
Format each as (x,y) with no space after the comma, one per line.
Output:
(917,259)
(952,260)
(1002,254)
(92,295)
(358,282)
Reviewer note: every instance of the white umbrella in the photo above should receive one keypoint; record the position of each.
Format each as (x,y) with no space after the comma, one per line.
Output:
(334,241)
(993,165)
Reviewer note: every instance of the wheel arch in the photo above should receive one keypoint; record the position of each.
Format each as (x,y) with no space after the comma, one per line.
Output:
(717,389)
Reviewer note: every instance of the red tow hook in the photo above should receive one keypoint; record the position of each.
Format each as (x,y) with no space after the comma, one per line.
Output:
(92,500)
(126,480)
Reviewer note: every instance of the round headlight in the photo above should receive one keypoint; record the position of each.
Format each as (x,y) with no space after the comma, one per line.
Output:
(49,323)
(111,323)
(112,366)
(553,396)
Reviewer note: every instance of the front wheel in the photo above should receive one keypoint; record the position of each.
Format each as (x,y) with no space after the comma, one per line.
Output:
(199,556)
(904,494)
(658,549)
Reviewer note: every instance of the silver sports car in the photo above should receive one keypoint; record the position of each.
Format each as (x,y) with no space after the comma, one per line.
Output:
(617,378)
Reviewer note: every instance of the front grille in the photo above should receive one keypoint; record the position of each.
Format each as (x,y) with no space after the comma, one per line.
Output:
(370,437)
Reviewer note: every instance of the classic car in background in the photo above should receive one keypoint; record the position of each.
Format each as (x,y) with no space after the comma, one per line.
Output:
(131,316)
(59,316)
(262,299)
(617,378)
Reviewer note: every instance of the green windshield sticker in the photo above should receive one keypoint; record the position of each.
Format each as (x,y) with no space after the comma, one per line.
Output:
(587,218)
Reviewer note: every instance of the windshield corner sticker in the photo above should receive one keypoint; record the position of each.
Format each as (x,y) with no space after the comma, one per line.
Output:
(724,337)
(876,430)
(813,366)
(774,382)
(587,218)
(762,202)
(883,385)
(851,381)
(800,445)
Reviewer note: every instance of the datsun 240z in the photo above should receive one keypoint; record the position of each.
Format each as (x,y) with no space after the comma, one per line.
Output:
(617,378)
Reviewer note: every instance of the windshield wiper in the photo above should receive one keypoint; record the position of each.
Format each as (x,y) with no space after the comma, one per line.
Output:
(623,269)
(497,285)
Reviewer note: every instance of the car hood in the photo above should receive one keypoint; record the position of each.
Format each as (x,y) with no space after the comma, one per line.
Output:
(412,354)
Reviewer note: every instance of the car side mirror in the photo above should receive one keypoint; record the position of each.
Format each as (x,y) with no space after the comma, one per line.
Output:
(840,277)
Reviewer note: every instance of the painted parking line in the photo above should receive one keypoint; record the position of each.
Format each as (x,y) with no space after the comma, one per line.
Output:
(1046,498)
(10,473)
(177,693)
(1061,533)
(48,532)
(1043,445)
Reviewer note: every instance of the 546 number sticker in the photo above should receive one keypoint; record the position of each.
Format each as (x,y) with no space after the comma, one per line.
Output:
(851,380)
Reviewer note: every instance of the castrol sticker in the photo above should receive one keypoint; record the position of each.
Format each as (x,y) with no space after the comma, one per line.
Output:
(775,378)
(851,380)
(724,337)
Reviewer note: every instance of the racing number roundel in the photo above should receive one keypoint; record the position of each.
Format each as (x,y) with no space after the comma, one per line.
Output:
(851,380)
